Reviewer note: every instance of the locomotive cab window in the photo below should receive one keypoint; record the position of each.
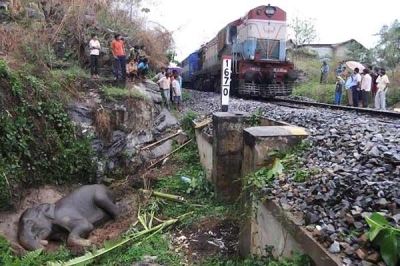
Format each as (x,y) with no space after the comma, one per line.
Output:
(268,49)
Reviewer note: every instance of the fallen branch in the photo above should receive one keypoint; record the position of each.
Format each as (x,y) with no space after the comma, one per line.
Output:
(169,154)
(164,195)
(203,123)
(164,139)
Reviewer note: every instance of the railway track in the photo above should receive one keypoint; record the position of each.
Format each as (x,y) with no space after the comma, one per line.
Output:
(290,102)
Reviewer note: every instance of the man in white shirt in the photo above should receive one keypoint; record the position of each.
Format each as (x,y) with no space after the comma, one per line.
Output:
(94,46)
(382,83)
(176,91)
(366,85)
(165,84)
(356,86)
(159,76)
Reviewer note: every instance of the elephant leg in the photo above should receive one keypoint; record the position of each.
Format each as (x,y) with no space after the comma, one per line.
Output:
(76,235)
(106,203)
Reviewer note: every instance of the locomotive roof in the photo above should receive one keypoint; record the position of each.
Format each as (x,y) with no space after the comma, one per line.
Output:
(259,13)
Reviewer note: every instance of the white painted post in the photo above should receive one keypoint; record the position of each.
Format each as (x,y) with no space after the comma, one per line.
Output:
(226,82)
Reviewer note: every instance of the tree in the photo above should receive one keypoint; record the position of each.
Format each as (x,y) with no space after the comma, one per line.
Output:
(389,45)
(303,32)
(357,52)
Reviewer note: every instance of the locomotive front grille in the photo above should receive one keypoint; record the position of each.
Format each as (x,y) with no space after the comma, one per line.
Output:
(265,90)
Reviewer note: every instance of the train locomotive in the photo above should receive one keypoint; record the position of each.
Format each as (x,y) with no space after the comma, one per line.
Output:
(257,44)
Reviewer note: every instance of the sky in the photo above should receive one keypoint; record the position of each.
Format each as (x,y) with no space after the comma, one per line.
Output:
(194,22)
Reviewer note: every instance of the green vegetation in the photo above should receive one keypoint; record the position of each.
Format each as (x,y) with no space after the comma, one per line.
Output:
(38,142)
(386,237)
(114,94)
(35,258)
(198,193)
(324,93)
(255,118)
(185,96)
(187,122)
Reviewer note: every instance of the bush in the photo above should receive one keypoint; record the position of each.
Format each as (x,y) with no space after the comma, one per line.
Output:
(38,143)
(187,122)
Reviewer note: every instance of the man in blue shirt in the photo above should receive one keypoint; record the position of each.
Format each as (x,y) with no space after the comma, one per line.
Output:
(340,69)
(143,68)
(324,72)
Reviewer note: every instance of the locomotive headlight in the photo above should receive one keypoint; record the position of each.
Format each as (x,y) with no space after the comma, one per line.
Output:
(270,10)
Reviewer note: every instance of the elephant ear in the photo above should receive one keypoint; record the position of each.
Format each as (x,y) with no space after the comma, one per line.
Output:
(48,210)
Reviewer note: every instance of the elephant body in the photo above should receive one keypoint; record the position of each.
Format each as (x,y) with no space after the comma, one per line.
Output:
(74,216)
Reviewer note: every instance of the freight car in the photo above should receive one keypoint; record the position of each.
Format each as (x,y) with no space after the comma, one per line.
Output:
(257,44)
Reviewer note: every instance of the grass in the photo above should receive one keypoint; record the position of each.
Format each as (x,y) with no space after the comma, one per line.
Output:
(185,96)
(114,94)
(8,258)
(199,192)
(157,246)
(324,93)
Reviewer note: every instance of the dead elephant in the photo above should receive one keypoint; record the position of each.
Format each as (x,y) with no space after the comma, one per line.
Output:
(74,216)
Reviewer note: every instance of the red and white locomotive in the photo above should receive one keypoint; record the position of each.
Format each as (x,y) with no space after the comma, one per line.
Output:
(257,44)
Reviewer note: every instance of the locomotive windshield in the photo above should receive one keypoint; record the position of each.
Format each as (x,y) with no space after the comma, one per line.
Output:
(267,49)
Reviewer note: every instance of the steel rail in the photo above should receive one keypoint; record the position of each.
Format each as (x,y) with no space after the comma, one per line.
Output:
(341,107)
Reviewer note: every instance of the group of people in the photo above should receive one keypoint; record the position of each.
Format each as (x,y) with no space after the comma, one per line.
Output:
(170,85)
(360,86)
(137,65)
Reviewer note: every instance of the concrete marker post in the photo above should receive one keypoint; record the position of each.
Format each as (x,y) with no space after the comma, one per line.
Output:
(226,81)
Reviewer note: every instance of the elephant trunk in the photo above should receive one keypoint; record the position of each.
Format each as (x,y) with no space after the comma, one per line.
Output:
(29,243)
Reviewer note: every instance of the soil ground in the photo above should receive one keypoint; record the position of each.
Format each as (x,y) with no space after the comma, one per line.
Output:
(207,238)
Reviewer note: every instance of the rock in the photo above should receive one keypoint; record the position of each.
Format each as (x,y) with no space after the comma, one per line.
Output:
(374,257)
(286,207)
(156,97)
(349,219)
(366,214)
(311,218)
(382,201)
(165,120)
(161,150)
(118,141)
(375,152)
(330,229)
(310,228)
(366,263)
(334,248)
(347,261)
(81,113)
(182,138)
(358,225)
(361,254)
(396,218)
(363,239)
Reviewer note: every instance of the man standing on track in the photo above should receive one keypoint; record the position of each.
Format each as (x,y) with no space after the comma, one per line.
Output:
(366,85)
(356,86)
(382,83)
(348,86)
